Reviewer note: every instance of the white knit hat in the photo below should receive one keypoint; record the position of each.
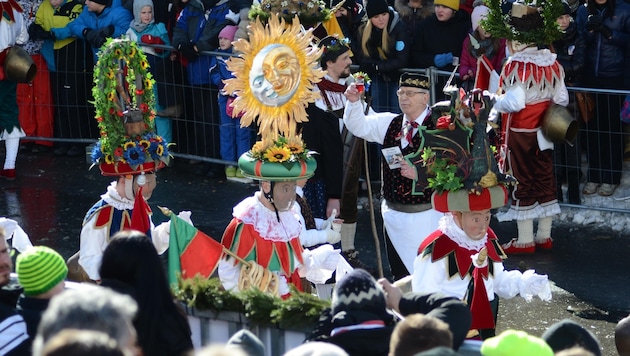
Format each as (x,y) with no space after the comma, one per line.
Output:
(478,13)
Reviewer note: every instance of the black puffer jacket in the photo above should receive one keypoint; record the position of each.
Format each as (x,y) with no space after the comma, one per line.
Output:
(570,50)
(606,57)
(397,55)
(437,37)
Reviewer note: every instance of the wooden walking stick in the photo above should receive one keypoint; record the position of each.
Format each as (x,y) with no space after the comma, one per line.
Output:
(377,243)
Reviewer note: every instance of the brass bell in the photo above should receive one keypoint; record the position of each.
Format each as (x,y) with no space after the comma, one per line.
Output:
(559,125)
(19,66)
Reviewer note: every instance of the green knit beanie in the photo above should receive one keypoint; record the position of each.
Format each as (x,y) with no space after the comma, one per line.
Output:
(515,343)
(39,269)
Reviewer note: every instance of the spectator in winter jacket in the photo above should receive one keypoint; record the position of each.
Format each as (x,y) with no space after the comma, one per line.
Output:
(384,51)
(145,30)
(413,12)
(235,140)
(479,43)
(98,21)
(438,40)
(570,51)
(70,77)
(605,25)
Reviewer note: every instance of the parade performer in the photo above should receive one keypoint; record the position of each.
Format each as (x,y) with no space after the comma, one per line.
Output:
(13,32)
(407,216)
(463,258)
(128,149)
(336,60)
(264,232)
(531,81)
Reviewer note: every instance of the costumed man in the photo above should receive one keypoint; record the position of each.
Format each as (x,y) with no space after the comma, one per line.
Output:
(128,149)
(407,214)
(531,81)
(12,31)
(463,258)
(264,235)
(336,60)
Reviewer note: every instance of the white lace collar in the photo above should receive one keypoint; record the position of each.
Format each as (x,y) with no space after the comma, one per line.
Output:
(449,228)
(114,199)
(252,211)
(540,57)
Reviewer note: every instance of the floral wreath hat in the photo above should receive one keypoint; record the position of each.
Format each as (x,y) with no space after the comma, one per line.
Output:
(273,84)
(124,102)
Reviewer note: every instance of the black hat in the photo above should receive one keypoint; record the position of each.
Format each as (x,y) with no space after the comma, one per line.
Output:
(566,9)
(333,47)
(566,334)
(358,291)
(376,7)
(348,4)
(414,80)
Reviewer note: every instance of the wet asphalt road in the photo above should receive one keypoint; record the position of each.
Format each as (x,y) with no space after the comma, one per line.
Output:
(588,265)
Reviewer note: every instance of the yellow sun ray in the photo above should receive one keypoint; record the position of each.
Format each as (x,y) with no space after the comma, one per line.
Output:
(276,113)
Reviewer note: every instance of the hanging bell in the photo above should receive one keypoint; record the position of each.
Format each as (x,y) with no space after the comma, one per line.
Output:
(19,66)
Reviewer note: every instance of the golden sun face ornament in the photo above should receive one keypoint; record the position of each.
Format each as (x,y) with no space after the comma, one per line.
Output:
(274,76)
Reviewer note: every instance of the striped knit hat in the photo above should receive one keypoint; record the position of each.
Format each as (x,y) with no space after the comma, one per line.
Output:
(39,269)
(462,200)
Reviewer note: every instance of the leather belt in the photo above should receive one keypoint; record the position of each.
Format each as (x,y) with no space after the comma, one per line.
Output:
(408,208)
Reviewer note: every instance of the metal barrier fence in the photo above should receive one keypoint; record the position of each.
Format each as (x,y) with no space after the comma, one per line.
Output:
(195,128)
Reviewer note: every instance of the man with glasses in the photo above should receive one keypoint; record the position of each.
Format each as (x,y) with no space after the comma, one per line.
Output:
(407,218)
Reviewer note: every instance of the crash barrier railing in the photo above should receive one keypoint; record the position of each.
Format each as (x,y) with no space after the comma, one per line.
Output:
(195,122)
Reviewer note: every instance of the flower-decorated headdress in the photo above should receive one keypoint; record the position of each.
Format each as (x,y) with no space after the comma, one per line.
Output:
(464,174)
(274,78)
(308,12)
(333,47)
(528,22)
(124,102)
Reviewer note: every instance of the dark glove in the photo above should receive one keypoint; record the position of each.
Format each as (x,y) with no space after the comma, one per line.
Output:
(188,50)
(594,22)
(93,38)
(606,32)
(107,31)
(35,31)
(443,59)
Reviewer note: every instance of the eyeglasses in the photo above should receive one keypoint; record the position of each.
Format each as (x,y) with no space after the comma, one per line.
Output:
(409,93)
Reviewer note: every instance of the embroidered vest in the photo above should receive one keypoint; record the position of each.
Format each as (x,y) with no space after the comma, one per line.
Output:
(397,188)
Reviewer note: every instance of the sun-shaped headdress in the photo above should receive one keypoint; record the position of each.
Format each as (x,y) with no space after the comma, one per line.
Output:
(274,79)
(274,76)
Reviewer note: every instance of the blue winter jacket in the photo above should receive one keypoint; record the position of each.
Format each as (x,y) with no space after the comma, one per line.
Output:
(116,15)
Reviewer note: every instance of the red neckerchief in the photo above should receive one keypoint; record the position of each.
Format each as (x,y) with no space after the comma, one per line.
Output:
(326,85)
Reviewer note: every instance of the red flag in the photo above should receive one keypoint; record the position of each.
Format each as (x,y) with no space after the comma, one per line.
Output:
(486,77)
(140,216)
(191,252)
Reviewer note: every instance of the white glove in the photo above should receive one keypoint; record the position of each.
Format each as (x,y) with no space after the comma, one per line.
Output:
(332,236)
(532,284)
(185,215)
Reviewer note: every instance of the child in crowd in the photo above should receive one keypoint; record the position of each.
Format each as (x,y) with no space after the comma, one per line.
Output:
(235,140)
(144,30)
(570,49)
(70,74)
(98,21)
(479,43)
